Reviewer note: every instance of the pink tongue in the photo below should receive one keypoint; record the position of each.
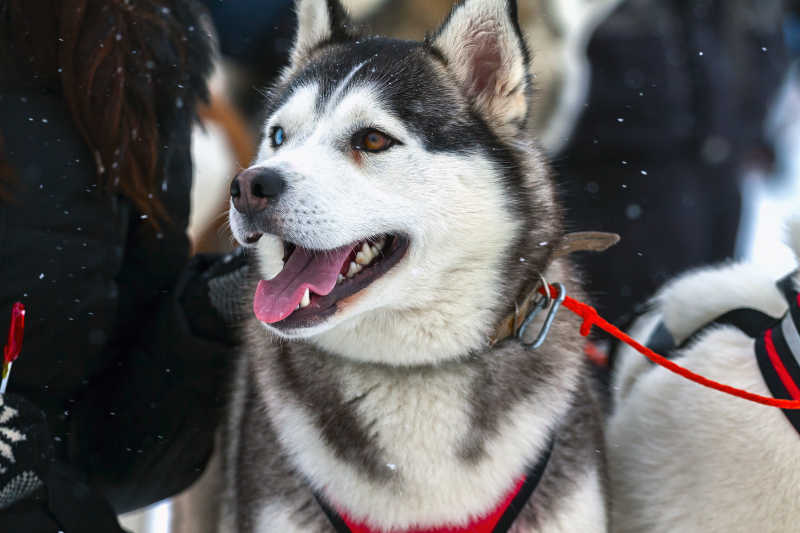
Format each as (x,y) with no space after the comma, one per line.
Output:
(277,298)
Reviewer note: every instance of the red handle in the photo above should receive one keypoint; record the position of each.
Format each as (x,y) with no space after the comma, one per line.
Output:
(15,333)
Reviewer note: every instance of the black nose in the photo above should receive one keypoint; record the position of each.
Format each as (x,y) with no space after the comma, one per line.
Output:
(253,188)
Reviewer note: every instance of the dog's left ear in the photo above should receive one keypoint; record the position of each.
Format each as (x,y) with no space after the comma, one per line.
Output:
(318,21)
(483,45)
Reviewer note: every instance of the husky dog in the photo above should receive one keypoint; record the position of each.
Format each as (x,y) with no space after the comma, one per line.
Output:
(412,210)
(684,458)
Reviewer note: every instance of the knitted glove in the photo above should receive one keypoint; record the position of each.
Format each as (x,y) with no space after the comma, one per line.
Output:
(227,278)
(26,449)
(210,292)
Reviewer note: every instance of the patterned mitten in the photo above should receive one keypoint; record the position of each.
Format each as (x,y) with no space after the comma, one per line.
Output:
(26,449)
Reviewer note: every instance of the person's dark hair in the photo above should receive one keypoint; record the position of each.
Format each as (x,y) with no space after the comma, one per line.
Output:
(126,69)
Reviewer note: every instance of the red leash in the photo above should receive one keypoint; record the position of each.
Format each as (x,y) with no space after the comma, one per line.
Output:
(591,318)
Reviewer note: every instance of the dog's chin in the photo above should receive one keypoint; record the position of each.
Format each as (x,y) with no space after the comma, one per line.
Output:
(318,289)
(302,333)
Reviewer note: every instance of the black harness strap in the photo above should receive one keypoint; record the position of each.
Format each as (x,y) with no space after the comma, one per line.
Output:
(750,321)
(334,518)
(777,343)
(532,479)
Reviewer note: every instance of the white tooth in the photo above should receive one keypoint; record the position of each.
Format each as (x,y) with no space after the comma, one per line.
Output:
(375,251)
(365,256)
(380,243)
(340,278)
(363,259)
(353,270)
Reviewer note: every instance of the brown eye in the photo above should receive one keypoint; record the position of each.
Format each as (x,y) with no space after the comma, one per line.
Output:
(371,141)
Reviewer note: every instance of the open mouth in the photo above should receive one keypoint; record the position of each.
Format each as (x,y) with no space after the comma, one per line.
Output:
(312,282)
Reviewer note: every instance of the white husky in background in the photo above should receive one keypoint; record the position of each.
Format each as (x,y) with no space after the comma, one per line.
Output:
(413,211)
(684,458)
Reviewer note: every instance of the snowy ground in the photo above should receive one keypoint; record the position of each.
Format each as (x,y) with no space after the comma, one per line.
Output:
(154,519)
(770,203)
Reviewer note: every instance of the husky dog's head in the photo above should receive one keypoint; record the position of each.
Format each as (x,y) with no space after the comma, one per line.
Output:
(403,184)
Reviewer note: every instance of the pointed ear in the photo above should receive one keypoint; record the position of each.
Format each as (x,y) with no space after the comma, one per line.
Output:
(484,48)
(318,21)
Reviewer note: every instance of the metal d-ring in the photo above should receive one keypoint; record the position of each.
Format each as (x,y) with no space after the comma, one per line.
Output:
(541,300)
(548,322)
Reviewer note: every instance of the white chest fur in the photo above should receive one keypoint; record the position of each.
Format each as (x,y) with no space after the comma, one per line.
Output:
(420,424)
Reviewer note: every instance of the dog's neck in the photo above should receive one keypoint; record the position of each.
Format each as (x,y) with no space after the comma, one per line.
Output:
(415,443)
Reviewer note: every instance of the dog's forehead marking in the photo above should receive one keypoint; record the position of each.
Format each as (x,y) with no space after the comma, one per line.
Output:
(337,92)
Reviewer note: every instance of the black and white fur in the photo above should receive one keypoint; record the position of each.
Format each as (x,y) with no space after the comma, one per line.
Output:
(395,407)
(683,458)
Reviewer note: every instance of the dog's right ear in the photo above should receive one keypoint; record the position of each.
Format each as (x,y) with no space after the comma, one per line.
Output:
(318,21)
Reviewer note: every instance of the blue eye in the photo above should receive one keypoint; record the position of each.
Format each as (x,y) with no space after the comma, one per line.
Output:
(277,136)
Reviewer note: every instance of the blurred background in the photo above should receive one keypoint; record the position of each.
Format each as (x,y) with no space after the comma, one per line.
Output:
(675,123)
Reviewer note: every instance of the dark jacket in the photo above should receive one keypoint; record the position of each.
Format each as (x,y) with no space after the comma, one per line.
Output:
(112,353)
(679,93)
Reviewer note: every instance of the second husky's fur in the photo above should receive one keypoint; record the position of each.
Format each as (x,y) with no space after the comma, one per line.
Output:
(683,458)
(382,394)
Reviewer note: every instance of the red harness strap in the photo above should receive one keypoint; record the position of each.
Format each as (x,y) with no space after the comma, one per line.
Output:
(497,521)
(780,365)
(480,525)
(778,352)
